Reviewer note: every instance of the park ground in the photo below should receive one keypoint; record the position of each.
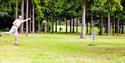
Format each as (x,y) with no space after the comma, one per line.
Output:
(62,48)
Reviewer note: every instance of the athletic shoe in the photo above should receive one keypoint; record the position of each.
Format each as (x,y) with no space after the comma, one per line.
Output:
(16,44)
(0,34)
(7,33)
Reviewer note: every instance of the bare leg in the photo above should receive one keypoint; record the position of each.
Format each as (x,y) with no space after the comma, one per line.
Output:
(11,31)
(0,34)
(7,33)
(15,32)
(16,37)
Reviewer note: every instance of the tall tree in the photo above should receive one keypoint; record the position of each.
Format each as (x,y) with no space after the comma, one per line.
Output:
(27,9)
(111,6)
(33,22)
(83,21)
(16,9)
(39,12)
(7,13)
(22,13)
(107,6)
(66,25)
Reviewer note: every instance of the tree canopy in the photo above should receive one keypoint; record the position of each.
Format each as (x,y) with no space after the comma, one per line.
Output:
(49,9)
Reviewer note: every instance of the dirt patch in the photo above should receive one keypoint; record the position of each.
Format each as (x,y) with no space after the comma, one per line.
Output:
(97,58)
(105,58)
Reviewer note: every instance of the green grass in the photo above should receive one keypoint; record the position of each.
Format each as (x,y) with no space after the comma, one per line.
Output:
(62,48)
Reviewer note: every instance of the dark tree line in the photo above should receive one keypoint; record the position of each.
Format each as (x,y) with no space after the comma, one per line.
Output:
(107,15)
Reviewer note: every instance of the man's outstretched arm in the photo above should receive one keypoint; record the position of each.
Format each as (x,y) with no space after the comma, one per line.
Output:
(26,19)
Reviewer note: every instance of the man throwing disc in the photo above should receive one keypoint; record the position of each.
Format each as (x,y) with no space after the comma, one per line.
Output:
(14,28)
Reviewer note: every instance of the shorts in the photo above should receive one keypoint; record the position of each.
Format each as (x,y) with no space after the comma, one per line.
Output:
(14,31)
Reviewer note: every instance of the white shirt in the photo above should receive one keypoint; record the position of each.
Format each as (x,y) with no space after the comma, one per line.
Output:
(17,23)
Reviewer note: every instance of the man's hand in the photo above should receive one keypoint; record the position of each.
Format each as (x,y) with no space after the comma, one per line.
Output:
(29,18)
(26,19)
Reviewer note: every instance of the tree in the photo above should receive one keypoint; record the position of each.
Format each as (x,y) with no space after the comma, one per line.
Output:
(83,21)
(7,13)
(6,7)
(22,13)
(107,6)
(33,27)
(123,16)
(39,12)
(27,16)
(16,9)
(111,6)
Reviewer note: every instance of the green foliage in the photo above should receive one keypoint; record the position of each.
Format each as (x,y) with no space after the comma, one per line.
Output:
(48,9)
(58,6)
(39,10)
(107,5)
(6,7)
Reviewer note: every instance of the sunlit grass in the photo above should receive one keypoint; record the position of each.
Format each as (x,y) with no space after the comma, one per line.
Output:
(62,48)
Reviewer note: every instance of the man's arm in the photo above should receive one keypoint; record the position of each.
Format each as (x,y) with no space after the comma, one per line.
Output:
(26,19)
(15,22)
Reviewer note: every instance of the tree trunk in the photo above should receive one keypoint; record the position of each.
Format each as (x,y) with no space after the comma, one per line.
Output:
(70,25)
(106,27)
(56,25)
(101,26)
(30,26)
(33,29)
(45,28)
(38,25)
(66,25)
(22,13)
(122,26)
(83,21)
(30,22)
(87,27)
(100,29)
(91,24)
(47,24)
(52,24)
(113,27)
(118,27)
(108,31)
(16,9)
(73,25)
(77,23)
(27,9)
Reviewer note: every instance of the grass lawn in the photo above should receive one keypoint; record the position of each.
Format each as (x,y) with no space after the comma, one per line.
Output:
(62,48)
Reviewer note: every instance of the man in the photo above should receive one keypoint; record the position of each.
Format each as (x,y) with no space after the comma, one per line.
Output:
(14,28)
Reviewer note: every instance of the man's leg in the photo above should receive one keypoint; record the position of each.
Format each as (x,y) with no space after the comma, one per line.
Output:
(0,34)
(16,37)
(11,31)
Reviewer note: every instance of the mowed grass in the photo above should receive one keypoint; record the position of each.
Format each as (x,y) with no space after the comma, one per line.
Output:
(62,48)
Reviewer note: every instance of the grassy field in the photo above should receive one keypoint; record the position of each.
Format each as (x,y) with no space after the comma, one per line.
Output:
(62,48)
